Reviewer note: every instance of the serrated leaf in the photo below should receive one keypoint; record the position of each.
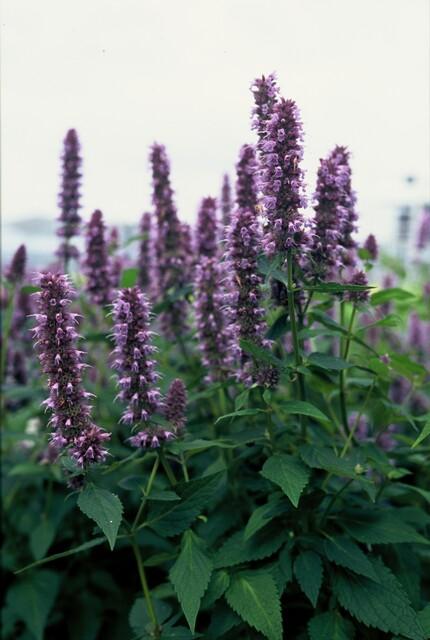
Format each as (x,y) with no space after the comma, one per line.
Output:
(388,295)
(288,473)
(70,552)
(140,620)
(241,412)
(263,515)
(255,598)
(383,604)
(128,278)
(218,584)
(259,353)
(336,287)
(424,618)
(308,570)
(325,458)
(330,626)
(170,518)
(331,363)
(380,528)
(104,507)
(41,538)
(425,433)
(237,550)
(345,553)
(303,408)
(32,599)
(190,576)
(222,620)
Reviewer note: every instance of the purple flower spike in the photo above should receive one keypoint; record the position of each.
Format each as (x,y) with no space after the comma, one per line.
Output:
(137,379)
(371,246)
(265,92)
(69,196)
(62,362)
(245,296)
(226,204)
(416,336)
(423,237)
(212,330)
(96,264)
(115,261)
(246,184)
(206,233)
(347,201)
(16,270)
(358,277)
(170,271)
(176,403)
(144,261)
(281,178)
(187,250)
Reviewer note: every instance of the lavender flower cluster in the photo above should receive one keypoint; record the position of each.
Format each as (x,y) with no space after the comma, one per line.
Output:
(96,265)
(206,233)
(61,361)
(69,196)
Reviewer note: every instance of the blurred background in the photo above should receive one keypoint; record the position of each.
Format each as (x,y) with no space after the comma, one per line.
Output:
(127,72)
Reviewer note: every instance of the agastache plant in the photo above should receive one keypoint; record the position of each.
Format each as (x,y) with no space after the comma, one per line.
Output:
(133,359)
(371,246)
(176,404)
(206,232)
(15,272)
(213,332)
(69,197)
(246,181)
(96,264)
(265,92)
(144,260)
(226,201)
(61,361)
(170,272)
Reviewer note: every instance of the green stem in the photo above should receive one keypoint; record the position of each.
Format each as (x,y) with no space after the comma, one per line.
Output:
(344,351)
(146,493)
(357,422)
(333,500)
(168,469)
(296,345)
(144,583)
(184,468)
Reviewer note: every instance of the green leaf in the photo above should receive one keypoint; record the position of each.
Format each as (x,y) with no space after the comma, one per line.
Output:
(104,508)
(41,538)
(424,618)
(345,553)
(303,408)
(288,473)
(280,326)
(259,353)
(423,435)
(336,287)
(262,516)
(330,626)
(190,576)
(128,278)
(222,620)
(29,288)
(70,552)
(325,458)
(140,620)
(32,599)
(380,528)
(169,519)
(382,604)
(323,361)
(241,412)
(255,598)
(237,550)
(218,584)
(308,570)
(407,367)
(389,295)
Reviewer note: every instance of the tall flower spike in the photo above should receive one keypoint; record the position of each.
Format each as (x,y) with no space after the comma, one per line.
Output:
(225,201)
(138,378)
(331,197)
(358,277)
(61,361)
(168,250)
(281,178)
(212,325)
(347,202)
(144,261)
(187,248)
(371,246)
(176,403)
(206,232)
(69,196)
(265,92)
(16,270)
(245,296)
(423,236)
(96,263)
(246,183)
(115,261)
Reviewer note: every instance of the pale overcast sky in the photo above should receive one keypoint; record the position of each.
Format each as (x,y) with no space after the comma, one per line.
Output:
(127,72)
